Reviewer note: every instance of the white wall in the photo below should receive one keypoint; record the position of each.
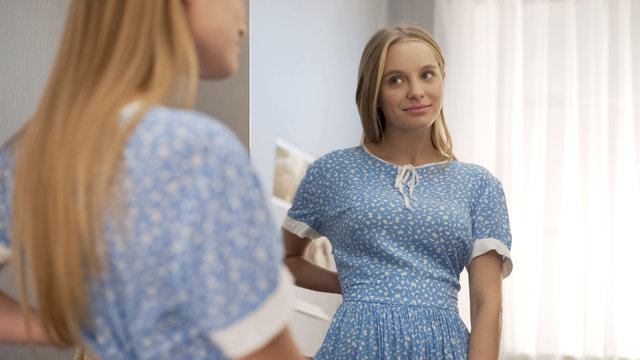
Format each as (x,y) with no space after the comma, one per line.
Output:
(304,64)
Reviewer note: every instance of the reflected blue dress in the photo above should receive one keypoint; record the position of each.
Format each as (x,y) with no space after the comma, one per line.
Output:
(401,236)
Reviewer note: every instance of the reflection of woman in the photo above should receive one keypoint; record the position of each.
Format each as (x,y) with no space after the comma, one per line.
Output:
(404,218)
(143,224)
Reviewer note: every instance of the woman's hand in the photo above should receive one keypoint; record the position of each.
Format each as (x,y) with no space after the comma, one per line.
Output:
(306,274)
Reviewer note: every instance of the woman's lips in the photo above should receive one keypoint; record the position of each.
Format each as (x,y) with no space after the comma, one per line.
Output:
(417,109)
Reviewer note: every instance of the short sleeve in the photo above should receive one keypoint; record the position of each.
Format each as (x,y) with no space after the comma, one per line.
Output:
(490,223)
(305,217)
(209,280)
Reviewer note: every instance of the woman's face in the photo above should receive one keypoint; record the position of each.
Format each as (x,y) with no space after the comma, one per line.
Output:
(411,88)
(217,26)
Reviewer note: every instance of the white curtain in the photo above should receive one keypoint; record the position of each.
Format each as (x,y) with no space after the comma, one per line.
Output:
(546,95)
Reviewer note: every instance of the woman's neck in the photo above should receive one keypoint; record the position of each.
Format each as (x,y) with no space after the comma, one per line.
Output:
(402,148)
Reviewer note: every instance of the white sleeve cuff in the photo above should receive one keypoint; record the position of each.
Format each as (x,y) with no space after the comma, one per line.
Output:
(258,328)
(299,228)
(483,246)
(5,255)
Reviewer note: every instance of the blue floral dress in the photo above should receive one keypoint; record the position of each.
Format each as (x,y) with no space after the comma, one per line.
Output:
(401,236)
(198,273)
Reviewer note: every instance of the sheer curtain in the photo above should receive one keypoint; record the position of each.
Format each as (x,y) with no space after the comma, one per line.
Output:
(546,95)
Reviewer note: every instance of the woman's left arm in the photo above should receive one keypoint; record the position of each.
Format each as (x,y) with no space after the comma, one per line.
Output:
(485,291)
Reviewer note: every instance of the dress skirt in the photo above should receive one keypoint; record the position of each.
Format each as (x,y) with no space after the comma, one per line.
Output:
(372,330)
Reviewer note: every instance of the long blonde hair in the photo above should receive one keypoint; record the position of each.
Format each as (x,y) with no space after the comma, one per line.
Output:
(370,74)
(69,153)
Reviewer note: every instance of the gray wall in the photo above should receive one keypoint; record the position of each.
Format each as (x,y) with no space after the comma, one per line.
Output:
(304,64)
(29,34)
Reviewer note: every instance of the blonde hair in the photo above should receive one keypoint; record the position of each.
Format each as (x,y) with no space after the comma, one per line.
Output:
(68,154)
(370,77)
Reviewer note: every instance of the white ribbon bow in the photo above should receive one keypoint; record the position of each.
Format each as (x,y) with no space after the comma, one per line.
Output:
(407,173)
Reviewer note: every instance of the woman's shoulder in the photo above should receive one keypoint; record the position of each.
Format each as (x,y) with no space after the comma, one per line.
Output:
(469,168)
(339,158)
(165,130)
(472,173)
(183,124)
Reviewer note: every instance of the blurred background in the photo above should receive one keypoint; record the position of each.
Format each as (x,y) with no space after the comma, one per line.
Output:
(543,93)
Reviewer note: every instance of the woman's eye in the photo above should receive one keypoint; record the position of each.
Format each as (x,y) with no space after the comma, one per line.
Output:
(395,80)
(426,75)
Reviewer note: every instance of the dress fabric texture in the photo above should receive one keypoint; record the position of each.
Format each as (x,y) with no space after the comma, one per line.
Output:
(197,273)
(401,236)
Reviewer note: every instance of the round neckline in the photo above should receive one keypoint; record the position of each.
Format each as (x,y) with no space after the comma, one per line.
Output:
(386,162)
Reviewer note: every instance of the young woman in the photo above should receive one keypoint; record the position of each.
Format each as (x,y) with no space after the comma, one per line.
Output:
(141,221)
(404,218)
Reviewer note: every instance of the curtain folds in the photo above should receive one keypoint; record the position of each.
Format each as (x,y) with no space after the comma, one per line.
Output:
(546,95)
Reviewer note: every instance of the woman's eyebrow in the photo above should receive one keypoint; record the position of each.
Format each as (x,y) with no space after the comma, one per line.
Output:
(400,72)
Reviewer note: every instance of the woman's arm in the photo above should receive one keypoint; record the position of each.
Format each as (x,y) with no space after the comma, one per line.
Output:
(306,274)
(485,291)
(12,324)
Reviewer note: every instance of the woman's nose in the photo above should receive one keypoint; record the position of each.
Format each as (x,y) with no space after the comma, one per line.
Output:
(415,91)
